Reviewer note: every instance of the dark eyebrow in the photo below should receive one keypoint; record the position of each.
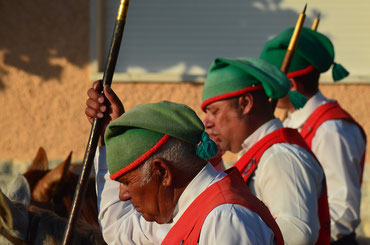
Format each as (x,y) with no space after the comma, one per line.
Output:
(208,107)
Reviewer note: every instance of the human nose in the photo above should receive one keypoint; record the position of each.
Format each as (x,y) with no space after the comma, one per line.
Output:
(208,122)
(124,194)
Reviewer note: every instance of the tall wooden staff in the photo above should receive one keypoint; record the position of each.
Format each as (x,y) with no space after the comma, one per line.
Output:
(97,123)
(316,22)
(293,42)
(290,50)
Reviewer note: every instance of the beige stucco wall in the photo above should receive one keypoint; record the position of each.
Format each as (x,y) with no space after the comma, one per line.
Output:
(51,114)
(44,75)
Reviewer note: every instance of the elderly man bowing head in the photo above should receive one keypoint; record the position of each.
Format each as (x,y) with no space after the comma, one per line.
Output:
(152,151)
(168,193)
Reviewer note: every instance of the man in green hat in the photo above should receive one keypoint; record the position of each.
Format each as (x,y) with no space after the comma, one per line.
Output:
(275,162)
(154,186)
(337,140)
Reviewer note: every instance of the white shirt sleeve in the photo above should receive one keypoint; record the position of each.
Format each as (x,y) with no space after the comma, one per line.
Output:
(339,146)
(289,181)
(119,221)
(121,224)
(230,224)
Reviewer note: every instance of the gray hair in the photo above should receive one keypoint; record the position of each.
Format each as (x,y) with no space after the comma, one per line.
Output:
(179,154)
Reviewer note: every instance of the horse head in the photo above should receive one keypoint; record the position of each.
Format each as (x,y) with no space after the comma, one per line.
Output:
(54,189)
(24,225)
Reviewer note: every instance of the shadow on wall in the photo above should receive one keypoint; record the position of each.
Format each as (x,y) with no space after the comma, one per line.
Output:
(187,35)
(35,34)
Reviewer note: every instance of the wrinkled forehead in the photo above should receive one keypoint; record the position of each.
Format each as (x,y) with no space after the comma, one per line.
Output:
(221,104)
(131,176)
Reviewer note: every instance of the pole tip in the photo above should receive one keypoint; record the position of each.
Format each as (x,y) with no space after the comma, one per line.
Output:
(304,10)
(318,15)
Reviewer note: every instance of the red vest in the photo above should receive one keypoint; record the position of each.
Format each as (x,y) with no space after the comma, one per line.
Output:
(249,161)
(325,112)
(231,189)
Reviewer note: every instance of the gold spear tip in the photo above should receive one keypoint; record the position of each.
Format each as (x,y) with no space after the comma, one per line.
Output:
(304,10)
(122,10)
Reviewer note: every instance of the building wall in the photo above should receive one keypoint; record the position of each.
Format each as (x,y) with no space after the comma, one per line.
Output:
(51,113)
(44,76)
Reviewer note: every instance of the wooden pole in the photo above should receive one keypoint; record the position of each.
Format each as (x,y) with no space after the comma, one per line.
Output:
(316,22)
(97,123)
(290,51)
(293,42)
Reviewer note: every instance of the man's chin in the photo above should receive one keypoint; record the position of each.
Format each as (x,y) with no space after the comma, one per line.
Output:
(158,220)
(223,147)
(148,218)
(284,103)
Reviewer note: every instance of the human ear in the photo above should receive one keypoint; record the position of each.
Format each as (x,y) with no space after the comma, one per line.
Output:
(246,102)
(293,84)
(164,171)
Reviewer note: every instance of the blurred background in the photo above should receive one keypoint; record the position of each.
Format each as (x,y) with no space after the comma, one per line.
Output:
(52,51)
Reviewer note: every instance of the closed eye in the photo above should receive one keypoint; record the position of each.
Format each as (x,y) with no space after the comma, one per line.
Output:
(212,111)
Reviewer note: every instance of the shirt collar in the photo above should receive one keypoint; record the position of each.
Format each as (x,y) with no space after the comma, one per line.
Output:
(297,118)
(206,177)
(263,130)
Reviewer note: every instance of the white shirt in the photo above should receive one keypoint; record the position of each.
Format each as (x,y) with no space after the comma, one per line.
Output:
(339,146)
(289,181)
(226,224)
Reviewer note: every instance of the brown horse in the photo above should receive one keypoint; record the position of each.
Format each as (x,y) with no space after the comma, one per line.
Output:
(54,189)
(20,224)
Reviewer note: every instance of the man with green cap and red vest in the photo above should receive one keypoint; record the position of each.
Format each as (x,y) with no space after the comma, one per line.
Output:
(154,186)
(337,140)
(275,162)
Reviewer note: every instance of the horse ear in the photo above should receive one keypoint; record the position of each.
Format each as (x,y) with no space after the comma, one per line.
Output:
(47,187)
(40,162)
(13,218)
(19,190)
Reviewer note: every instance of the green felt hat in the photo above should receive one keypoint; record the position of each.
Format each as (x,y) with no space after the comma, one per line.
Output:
(138,133)
(314,51)
(229,78)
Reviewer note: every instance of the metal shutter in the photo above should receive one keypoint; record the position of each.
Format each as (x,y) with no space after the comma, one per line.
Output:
(176,40)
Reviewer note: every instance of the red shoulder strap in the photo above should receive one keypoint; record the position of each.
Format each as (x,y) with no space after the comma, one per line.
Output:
(231,189)
(323,113)
(249,161)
